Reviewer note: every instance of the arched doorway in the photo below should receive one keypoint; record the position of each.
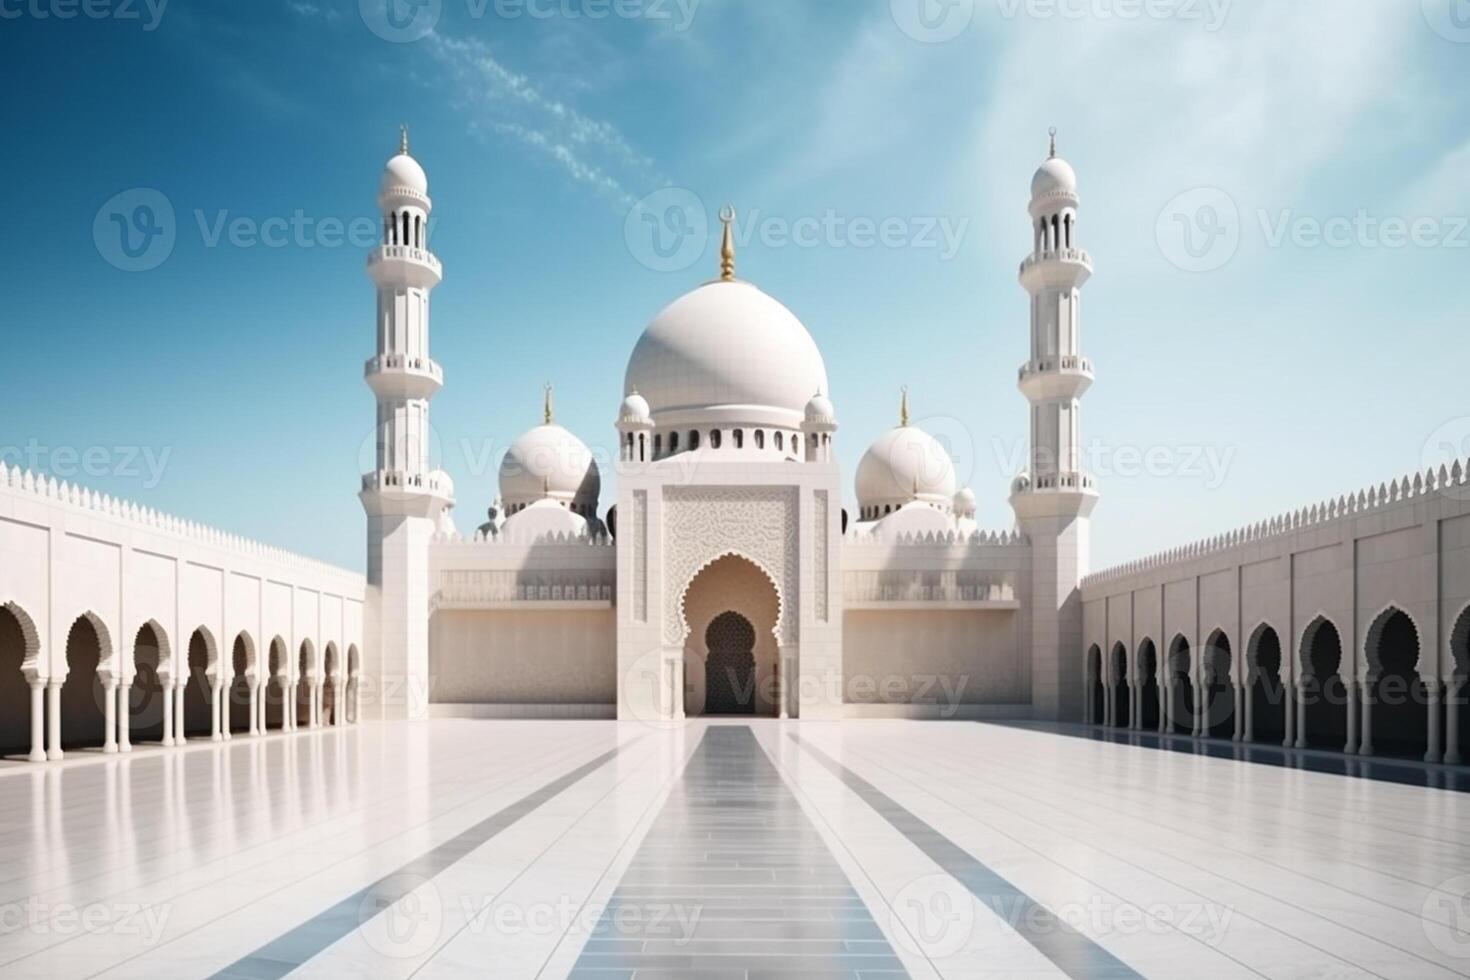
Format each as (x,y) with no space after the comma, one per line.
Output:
(354,678)
(729,666)
(732,611)
(198,696)
(146,699)
(1324,696)
(1267,691)
(1457,697)
(1121,708)
(1181,708)
(83,698)
(1400,713)
(330,688)
(15,696)
(242,659)
(1219,693)
(1148,673)
(275,687)
(305,673)
(1096,696)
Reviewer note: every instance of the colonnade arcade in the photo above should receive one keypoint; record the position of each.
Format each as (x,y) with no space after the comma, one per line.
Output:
(1395,706)
(173,693)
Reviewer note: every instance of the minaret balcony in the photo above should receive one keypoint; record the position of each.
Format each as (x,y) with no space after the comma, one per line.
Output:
(1056,269)
(410,494)
(1051,378)
(401,376)
(404,265)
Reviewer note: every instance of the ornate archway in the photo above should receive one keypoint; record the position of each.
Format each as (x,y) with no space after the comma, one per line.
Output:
(732,611)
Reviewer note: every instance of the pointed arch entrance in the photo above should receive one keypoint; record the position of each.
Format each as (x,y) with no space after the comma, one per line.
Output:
(732,610)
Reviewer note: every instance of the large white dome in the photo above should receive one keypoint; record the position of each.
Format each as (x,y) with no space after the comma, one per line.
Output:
(550,462)
(904,465)
(727,353)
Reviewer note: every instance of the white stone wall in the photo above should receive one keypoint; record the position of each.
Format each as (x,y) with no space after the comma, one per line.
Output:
(1404,546)
(67,553)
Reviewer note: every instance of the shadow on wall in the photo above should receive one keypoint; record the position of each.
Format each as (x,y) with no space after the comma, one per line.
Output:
(15,693)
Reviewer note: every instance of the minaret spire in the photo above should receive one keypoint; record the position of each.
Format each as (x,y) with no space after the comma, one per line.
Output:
(903,408)
(403,140)
(727,245)
(1052,154)
(549,412)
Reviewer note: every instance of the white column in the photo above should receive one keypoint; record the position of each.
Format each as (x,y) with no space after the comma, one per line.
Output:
(125,717)
(254,708)
(1300,704)
(38,720)
(1248,734)
(1360,694)
(214,711)
(53,719)
(168,712)
(357,700)
(109,713)
(181,730)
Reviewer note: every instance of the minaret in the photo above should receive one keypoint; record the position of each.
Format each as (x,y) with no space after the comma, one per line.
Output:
(1055,498)
(402,496)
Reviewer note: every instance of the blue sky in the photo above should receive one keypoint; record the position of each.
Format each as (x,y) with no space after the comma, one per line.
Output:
(1309,350)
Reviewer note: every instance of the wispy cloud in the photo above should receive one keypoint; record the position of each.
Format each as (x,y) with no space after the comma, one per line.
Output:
(313,11)
(510,104)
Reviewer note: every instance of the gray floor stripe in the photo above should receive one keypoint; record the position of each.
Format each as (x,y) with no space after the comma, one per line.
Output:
(1072,952)
(293,949)
(733,882)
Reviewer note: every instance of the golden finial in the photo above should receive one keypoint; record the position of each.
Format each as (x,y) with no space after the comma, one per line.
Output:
(727,247)
(1053,152)
(903,409)
(403,140)
(550,409)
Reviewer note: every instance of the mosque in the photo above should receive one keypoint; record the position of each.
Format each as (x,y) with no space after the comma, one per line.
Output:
(727,578)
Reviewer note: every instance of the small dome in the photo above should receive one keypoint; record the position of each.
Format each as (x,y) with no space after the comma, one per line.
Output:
(544,519)
(1021,483)
(550,463)
(964,503)
(726,353)
(905,464)
(820,410)
(404,172)
(635,410)
(1055,175)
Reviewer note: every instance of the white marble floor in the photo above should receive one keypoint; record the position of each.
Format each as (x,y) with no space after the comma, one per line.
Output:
(590,849)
